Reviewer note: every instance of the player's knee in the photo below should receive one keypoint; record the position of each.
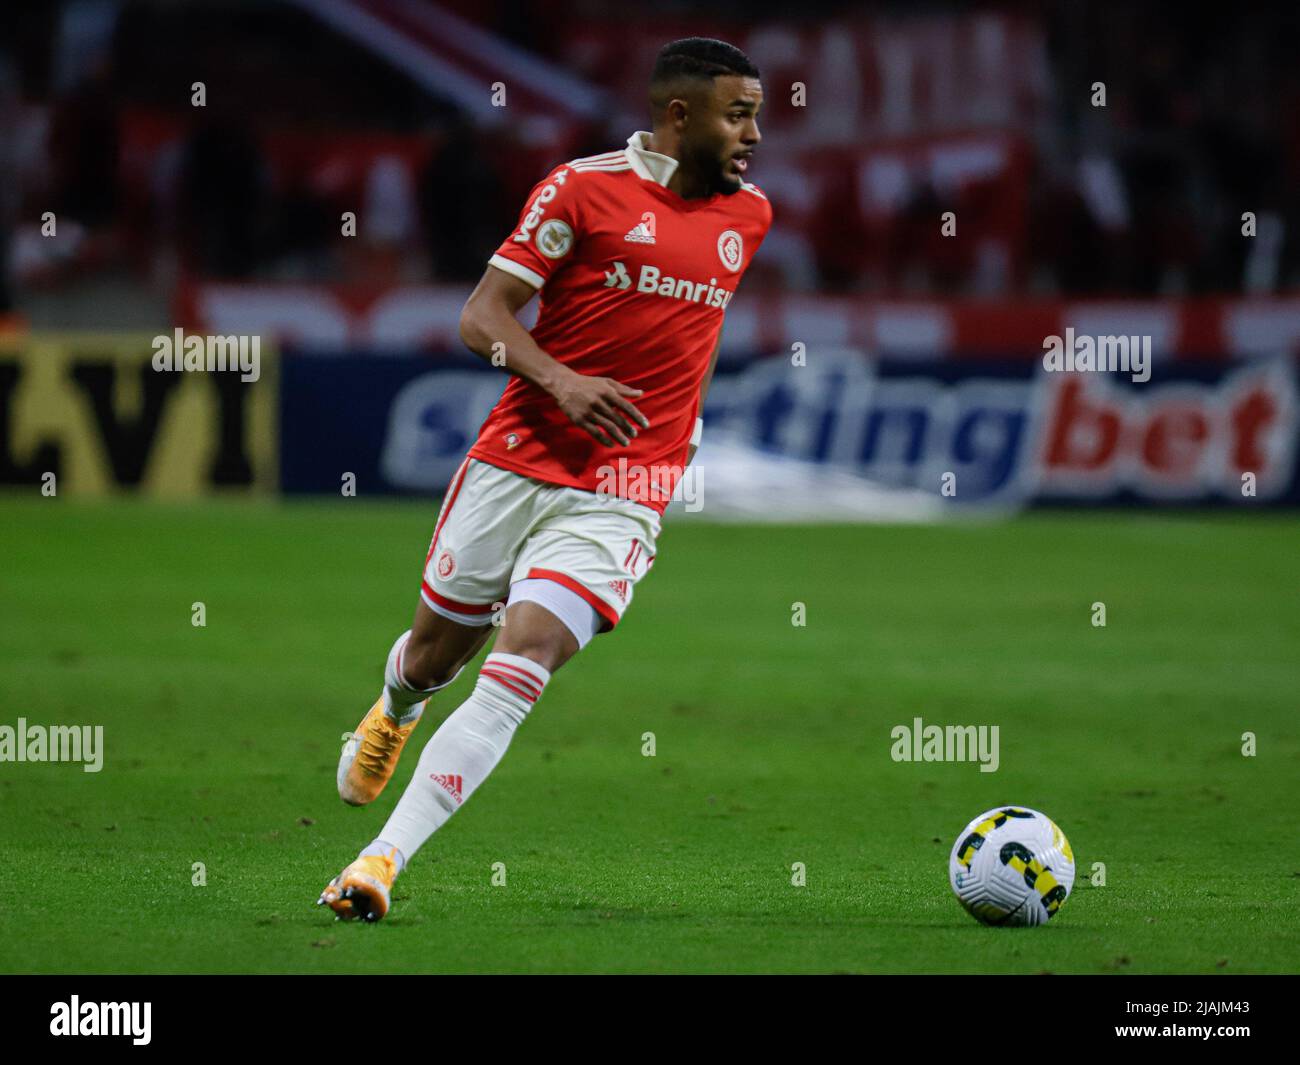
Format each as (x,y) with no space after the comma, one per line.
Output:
(435,677)
(428,665)
(547,653)
(549,645)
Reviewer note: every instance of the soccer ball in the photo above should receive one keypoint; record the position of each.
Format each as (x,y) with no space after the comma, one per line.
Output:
(1012,866)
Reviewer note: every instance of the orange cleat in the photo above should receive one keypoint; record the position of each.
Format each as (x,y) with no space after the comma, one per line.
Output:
(370,756)
(363,890)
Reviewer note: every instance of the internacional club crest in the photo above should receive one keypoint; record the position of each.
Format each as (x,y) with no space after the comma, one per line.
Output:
(446,563)
(731,249)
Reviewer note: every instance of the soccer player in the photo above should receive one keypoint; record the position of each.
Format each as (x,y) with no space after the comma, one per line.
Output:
(556,509)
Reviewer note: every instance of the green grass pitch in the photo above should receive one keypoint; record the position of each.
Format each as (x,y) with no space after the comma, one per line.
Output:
(773,747)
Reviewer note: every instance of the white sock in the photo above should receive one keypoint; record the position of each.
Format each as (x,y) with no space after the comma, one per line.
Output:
(402,702)
(465,749)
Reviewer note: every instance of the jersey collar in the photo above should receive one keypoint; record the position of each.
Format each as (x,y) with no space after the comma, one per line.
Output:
(647,164)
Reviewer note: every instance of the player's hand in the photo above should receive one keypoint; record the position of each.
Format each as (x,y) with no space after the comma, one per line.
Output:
(601,406)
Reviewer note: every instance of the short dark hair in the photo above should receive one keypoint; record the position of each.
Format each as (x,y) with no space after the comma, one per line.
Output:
(696,58)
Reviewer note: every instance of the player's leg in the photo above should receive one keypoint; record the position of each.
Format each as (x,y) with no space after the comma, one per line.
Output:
(531,645)
(425,659)
(483,520)
(573,577)
(437,648)
(538,638)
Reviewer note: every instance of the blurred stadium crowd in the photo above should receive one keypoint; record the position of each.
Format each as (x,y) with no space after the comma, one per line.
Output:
(316,107)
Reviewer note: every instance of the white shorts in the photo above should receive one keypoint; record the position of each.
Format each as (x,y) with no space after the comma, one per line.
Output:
(497,527)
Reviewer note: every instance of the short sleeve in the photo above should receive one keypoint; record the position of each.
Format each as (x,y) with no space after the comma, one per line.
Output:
(548,230)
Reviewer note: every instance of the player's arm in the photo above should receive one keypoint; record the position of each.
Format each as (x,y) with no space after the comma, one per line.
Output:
(704,391)
(600,405)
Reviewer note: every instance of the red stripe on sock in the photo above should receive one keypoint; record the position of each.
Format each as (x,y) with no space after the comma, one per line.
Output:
(508,683)
(530,678)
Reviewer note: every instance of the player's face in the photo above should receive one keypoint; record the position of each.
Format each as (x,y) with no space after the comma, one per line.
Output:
(729,133)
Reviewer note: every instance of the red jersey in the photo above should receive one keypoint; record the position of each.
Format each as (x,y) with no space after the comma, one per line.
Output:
(634,282)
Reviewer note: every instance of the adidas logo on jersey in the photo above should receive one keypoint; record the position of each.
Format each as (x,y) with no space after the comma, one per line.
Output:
(644,231)
(650,280)
(450,783)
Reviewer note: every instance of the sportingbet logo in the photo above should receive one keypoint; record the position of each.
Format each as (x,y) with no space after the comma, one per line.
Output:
(1053,436)
(653,282)
(102,1018)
